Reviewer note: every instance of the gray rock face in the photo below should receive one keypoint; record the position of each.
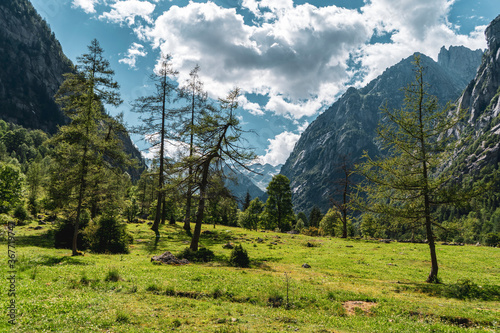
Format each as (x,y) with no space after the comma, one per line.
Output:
(481,99)
(31,71)
(479,96)
(460,62)
(32,68)
(348,127)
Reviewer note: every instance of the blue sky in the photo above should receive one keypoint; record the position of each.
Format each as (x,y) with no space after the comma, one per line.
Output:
(292,59)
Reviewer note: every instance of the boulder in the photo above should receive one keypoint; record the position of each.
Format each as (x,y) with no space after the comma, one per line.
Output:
(169,259)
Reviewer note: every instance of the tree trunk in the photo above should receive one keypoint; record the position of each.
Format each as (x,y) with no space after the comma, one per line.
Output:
(81,193)
(158,215)
(201,207)
(433,275)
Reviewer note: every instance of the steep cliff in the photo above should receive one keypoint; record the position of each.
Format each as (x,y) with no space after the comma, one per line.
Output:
(481,99)
(348,127)
(32,67)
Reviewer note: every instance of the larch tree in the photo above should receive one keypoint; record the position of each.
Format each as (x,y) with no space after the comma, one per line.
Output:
(80,145)
(155,114)
(405,184)
(343,186)
(193,92)
(219,140)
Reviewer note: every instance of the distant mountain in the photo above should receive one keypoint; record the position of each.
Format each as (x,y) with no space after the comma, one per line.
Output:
(239,184)
(348,127)
(262,174)
(31,71)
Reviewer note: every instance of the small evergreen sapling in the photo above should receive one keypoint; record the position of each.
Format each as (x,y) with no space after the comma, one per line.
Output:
(239,257)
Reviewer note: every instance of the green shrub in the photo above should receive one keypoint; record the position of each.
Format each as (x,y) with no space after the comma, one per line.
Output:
(311,231)
(63,233)
(275,299)
(107,235)
(113,275)
(492,239)
(21,213)
(239,257)
(6,219)
(202,255)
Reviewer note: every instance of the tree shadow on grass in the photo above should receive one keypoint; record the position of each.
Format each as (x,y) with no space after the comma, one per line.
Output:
(45,240)
(48,260)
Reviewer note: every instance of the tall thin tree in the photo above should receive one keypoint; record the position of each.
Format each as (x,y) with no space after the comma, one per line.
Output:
(197,97)
(154,124)
(220,138)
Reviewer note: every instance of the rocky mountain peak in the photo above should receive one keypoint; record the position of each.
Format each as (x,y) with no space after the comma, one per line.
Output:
(348,127)
(460,62)
(493,35)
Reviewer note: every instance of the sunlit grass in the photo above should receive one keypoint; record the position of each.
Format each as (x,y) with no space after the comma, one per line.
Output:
(128,293)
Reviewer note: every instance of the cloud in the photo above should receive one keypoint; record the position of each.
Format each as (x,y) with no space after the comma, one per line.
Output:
(128,10)
(173,149)
(253,108)
(289,59)
(298,56)
(86,5)
(135,50)
(279,148)
(414,26)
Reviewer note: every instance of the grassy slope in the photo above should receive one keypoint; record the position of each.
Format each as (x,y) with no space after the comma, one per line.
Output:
(59,293)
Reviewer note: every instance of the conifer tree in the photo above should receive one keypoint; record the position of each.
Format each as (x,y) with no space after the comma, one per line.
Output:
(278,210)
(155,120)
(197,97)
(219,136)
(81,145)
(405,185)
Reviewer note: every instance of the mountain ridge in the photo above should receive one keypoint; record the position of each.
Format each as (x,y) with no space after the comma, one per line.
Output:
(348,128)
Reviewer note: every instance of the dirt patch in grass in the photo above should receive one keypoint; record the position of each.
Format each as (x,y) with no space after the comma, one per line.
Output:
(355,307)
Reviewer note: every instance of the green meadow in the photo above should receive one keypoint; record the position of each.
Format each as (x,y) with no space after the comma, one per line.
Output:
(351,286)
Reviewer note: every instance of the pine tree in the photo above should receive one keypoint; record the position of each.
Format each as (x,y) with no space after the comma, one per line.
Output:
(405,185)
(81,145)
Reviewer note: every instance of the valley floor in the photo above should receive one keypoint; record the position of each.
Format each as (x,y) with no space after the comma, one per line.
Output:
(351,286)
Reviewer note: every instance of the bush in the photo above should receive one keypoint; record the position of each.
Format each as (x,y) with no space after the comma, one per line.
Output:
(492,239)
(108,235)
(63,234)
(112,276)
(300,225)
(202,255)
(6,219)
(21,213)
(239,257)
(311,231)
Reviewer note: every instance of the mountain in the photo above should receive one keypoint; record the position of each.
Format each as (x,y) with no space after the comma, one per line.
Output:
(33,65)
(239,184)
(262,174)
(481,100)
(348,127)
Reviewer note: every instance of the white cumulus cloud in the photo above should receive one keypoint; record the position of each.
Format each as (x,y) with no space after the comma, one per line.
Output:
(86,5)
(135,50)
(291,58)
(279,148)
(128,10)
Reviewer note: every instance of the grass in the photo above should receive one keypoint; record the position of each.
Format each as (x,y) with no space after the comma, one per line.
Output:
(127,293)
